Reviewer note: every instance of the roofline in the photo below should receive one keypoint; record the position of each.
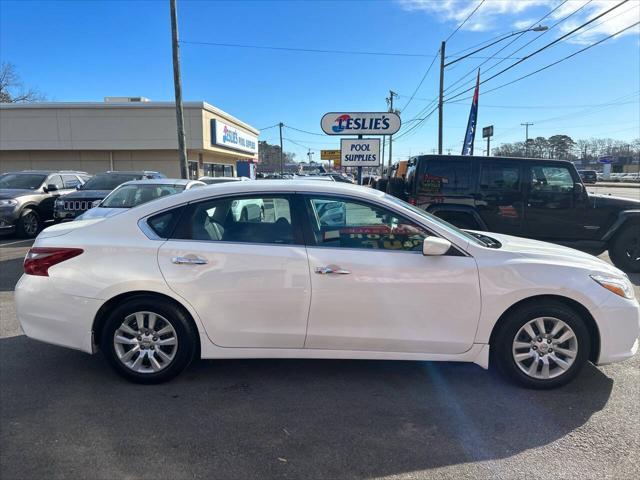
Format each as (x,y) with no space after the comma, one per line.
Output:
(133,105)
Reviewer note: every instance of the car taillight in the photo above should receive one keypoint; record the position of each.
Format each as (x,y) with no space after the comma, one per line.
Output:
(412,201)
(40,259)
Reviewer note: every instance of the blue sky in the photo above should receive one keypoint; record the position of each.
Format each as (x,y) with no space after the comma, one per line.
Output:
(85,50)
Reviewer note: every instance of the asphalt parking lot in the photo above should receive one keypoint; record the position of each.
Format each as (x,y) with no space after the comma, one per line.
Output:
(65,414)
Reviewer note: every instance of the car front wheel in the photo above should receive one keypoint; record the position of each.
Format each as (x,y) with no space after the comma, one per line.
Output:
(28,224)
(148,340)
(625,249)
(541,345)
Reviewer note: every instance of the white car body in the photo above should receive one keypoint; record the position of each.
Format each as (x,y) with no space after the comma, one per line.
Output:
(264,301)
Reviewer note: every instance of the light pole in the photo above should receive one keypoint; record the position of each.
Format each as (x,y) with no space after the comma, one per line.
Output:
(443,65)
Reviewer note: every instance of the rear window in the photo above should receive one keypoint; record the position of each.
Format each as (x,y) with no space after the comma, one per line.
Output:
(500,176)
(109,181)
(164,223)
(442,177)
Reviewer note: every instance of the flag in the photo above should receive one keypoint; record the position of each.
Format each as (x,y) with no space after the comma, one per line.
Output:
(467,148)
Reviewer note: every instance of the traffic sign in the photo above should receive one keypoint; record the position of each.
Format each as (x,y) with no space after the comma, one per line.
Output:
(360,152)
(360,123)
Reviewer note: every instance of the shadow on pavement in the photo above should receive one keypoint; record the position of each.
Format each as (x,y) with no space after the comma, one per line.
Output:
(270,418)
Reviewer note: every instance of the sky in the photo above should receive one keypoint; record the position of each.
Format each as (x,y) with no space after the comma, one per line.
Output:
(86,50)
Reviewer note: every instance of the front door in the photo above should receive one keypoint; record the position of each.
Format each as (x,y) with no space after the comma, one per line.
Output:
(500,200)
(241,264)
(373,290)
(554,210)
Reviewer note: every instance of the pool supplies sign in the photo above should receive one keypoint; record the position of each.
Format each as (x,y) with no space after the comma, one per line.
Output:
(225,135)
(360,152)
(360,123)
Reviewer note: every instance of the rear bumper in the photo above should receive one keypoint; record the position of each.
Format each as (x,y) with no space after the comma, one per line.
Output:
(619,325)
(47,315)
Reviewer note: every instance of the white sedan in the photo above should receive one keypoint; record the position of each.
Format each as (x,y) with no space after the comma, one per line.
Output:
(185,276)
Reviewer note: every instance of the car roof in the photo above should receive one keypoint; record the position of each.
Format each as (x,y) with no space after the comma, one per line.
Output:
(161,181)
(131,172)
(49,172)
(496,158)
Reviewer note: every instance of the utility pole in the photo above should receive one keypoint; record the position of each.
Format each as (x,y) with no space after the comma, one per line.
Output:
(440,97)
(384,137)
(526,125)
(488,146)
(310,156)
(391,95)
(281,151)
(177,83)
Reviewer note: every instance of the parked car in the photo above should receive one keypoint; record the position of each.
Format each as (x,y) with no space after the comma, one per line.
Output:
(588,176)
(97,188)
(215,180)
(136,192)
(540,199)
(183,276)
(27,198)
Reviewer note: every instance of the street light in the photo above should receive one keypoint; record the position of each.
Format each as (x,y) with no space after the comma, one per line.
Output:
(443,65)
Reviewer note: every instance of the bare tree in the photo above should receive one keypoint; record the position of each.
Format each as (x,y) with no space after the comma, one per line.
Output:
(11,88)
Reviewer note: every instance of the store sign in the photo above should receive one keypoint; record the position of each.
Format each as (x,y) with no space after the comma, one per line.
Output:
(224,135)
(487,131)
(330,154)
(357,152)
(360,123)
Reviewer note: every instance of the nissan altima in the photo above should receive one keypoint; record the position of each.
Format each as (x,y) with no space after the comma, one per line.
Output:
(297,269)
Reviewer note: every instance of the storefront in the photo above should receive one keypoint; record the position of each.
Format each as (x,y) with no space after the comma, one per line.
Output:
(123,135)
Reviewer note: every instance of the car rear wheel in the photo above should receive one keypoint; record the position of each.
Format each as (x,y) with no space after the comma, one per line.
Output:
(541,345)
(148,340)
(625,249)
(29,224)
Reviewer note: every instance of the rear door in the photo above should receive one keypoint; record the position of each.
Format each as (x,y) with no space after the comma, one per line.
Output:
(241,263)
(500,201)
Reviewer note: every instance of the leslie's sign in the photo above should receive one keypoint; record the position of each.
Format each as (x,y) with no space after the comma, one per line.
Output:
(360,123)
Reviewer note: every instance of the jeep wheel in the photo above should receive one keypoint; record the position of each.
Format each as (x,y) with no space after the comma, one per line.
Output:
(29,224)
(625,249)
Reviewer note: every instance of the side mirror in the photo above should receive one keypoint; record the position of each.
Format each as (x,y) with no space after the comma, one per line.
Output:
(96,203)
(578,189)
(79,186)
(52,188)
(433,246)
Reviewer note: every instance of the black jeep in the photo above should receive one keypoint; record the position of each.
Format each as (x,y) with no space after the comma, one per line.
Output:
(27,197)
(540,199)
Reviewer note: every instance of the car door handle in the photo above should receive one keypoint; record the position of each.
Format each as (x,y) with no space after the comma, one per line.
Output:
(188,261)
(331,269)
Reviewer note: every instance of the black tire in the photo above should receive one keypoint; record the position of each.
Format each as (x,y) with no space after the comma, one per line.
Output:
(624,251)
(186,334)
(502,343)
(29,224)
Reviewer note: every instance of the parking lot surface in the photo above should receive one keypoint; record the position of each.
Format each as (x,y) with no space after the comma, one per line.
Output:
(65,414)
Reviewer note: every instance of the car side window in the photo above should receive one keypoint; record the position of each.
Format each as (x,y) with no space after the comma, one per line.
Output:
(500,176)
(550,187)
(55,180)
(446,177)
(247,219)
(70,181)
(345,223)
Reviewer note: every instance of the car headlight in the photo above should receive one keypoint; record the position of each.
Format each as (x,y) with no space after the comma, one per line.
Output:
(618,285)
(8,203)
(59,202)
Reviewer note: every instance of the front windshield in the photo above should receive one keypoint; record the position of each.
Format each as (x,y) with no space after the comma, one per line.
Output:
(25,181)
(108,181)
(129,196)
(442,223)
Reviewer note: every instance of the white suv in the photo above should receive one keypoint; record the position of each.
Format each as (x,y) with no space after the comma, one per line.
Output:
(186,276)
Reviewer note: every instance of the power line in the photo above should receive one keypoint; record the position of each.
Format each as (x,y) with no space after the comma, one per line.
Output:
(564,58)
(421,82)
(548,45)
(305,131)
(305,50)
(544,107)
(267,128)
(537,22)
(465,21)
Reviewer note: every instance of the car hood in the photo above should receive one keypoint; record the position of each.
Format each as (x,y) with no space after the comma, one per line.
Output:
(87,195)
(622,203)
(545,252)
(8,193)
(101,212)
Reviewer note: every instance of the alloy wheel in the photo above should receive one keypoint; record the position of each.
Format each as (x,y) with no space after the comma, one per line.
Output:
(545,348)
(145,342)
(30,224)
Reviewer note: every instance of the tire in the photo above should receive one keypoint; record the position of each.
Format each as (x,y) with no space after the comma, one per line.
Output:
(625,249)
(563,367)
(172,351)
(29,224)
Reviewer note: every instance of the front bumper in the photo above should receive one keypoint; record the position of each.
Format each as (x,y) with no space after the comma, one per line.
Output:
(619,325)
(47,315)
(7,222)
